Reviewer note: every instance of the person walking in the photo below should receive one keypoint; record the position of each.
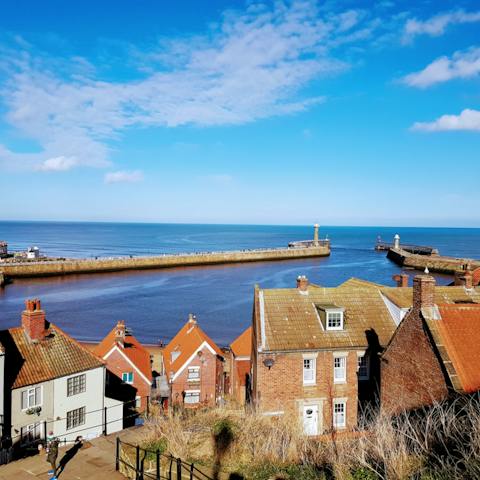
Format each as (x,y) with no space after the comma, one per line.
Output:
(52,454)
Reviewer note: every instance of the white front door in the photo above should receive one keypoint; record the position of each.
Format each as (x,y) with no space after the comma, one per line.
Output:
(310,419)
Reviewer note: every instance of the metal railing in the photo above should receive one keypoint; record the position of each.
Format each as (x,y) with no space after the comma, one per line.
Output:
(139,463)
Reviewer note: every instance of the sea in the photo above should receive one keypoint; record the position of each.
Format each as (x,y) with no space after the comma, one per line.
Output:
(156,303)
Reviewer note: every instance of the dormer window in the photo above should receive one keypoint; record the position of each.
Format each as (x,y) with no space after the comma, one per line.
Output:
(331,316)
(334,320)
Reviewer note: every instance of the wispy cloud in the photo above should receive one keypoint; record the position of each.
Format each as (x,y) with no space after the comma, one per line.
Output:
(57,164)
(253,64)
(462,65)
(436,25)
(467,120)
(123,176)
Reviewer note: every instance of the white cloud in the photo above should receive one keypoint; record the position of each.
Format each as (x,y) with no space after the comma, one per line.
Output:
(467,120)
(251,65)
(461,65)
(436,25)
(57,164)
(124,176)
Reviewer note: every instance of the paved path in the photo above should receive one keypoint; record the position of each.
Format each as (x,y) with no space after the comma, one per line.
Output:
(96,460)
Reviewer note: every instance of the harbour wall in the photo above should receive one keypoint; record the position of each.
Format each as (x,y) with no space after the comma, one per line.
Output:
(73,266)
(435,263)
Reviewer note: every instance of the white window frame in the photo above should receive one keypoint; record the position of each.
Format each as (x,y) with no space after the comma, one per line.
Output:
(334,312)
(127,375)
(342,360)
(195,370)
(37,402)
(138,401)
(335,415)
(76,417)
(366,367)
(190,394)
(34,429)
(76,385)
(311,369)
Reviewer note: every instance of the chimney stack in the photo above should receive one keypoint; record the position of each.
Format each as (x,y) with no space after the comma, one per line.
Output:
(401,279)
(423,291)
(33,320)
(302,283)
(120,333)
(464,277)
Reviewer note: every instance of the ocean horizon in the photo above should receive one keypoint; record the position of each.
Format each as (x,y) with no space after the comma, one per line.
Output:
(155,303)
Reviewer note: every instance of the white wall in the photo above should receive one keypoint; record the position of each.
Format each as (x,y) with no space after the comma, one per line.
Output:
(92,399)
(114,415)
(21,418)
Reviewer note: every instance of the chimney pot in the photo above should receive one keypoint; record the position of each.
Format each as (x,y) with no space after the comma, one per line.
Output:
(401,279)
(423,291)
(464,278)
(302,283)
(120,333)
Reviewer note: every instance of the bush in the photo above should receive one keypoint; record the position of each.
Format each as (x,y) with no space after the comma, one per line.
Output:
(363,474)
(441,442)
(269,471)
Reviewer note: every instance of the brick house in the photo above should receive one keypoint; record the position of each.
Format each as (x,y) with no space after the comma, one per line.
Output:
(193,366)
(51,383)
(444,331)
(129,366)
(315,351)
(240,366)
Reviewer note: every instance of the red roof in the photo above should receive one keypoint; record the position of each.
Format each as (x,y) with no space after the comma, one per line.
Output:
(58,355)
(460,333)
(132,348)
(242,345)
(476,276)
(186,342)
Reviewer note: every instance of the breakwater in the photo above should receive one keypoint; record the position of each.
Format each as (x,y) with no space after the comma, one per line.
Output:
(435,263)
(46,268)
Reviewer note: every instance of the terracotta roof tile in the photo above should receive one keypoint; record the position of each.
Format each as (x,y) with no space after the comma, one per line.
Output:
(186,342)
(56,356)
(242,345)
(459,330)
(132,348)
(476,276)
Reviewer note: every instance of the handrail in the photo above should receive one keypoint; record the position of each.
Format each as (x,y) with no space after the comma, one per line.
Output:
(172,473)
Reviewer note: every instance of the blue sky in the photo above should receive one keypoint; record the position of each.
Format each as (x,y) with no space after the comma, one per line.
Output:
(345,113)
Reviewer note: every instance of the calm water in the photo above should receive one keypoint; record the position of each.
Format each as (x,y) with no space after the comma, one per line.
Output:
(156,303)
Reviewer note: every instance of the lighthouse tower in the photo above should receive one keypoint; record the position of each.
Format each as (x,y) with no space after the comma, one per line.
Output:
(315,235)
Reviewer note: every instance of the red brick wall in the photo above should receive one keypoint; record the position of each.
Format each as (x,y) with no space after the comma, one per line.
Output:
(411,375)
(281,387)
(117,364)
(210,383)
(240,370)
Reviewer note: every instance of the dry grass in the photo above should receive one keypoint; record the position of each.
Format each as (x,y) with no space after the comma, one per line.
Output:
(441,443)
